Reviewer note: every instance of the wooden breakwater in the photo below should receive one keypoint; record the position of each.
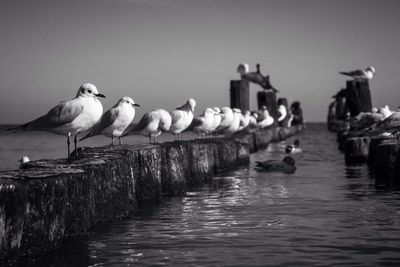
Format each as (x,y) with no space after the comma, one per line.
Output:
(52,200)
(380,153)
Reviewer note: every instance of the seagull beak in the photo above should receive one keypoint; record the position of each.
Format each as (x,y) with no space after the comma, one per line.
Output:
(136,105)
(100,95)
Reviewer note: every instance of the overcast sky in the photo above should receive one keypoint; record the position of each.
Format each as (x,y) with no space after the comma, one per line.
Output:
(161,52)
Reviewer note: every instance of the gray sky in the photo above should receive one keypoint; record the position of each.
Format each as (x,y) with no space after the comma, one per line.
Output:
(162,52)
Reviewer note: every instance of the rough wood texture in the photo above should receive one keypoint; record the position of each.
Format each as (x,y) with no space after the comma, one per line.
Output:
(358,97)
(51,200)
(384,167)
(285,121)
(356,150)
(268,99)
(240,94)
(341,108)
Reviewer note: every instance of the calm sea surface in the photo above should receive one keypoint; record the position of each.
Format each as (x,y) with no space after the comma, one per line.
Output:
(326,214)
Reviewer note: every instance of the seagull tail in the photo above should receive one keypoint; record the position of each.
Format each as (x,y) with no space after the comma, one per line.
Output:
(20,128)
(344,73)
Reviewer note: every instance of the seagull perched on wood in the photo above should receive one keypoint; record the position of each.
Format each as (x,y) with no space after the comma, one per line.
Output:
(389,125)
(265,119)
(255,77)
(115,120)
(182,117)
(227,117)
(204,124)
(152,124)
(366,74)
(235,124)
(69,117)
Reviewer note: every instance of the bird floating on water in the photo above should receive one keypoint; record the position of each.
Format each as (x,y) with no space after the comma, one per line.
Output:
(360,74)
(115,120)
(287,165)
(70,117)
(182,117)
(255,77)
(152,124)
(295,148)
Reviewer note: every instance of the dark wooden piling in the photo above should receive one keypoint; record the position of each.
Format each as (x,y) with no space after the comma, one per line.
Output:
(240,94)
(356,150)
(385,164)
(268,99)
(285,121)
(358,97)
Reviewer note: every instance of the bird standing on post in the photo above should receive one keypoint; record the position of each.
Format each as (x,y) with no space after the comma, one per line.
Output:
(115,120)
(182,117)
(69,117)
(359,74)
(152,124)
(255,77)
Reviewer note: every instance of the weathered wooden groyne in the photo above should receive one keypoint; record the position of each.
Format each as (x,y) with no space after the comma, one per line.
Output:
(52,200)
(381,153)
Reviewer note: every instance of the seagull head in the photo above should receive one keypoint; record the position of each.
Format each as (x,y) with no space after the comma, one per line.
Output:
(243,68)
(89,90)
(371,69)
(128,101)
(209,111)
(217,110)
(192,103)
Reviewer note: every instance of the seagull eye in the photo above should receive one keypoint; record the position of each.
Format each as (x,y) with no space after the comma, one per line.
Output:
(89,91)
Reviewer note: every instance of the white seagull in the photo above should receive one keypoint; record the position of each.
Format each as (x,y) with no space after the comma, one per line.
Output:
(204,124)
(152,124)
(253,120)
(282,110)
(366,74)
(217,119)
(70,117)
(244,120)
(265,119)
(115,120)
(226,118)
(182,117)
(234,126)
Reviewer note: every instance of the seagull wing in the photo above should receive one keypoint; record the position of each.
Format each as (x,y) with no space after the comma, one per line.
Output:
(62,114)
(354,73)
(135,128)
(106,120)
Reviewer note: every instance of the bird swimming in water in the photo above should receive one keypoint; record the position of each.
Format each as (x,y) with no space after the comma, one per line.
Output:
(359,74)
(70,117)
(295,148)
(255,77)
(287,165)
(152,124)
(182,117)
(115,120)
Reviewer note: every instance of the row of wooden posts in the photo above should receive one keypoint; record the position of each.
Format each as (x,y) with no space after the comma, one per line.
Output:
(380,153)
(240,98)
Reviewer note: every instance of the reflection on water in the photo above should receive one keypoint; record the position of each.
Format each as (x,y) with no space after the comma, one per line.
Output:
(324,215)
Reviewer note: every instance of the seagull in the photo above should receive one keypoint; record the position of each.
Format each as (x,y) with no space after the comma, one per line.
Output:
(265,119)
(234,126)
(204,124)
(152,124)
(69,117)
(359,74)
(282,110)
(244,120)
(227,117)
(182,117)
(385,111)
(115,120)
(217,119)
(391,125)
(255,77)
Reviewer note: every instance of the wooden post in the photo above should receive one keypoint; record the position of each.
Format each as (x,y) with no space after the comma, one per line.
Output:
(268,99)
(341,109)
(240,94)
(285,121)
(358,97)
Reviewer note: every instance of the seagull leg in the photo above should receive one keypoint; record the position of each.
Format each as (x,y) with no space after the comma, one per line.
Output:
(68,143)
(75,143)
(119,140)
(112,140)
